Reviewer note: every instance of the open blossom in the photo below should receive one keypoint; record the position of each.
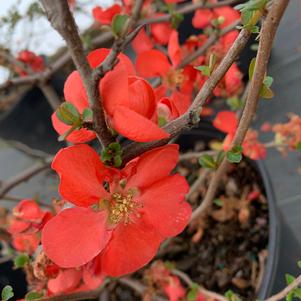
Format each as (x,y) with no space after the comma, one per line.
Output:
(30,59)
(128,100)
(25,223)
(121,216)
(227,122)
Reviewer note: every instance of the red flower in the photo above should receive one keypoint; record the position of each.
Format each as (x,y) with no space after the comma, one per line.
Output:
(233,80)
(133,210)
(129,102)
(174,289)
(33,61)
(105,16)
(142,42)
(154,63)
(226,121)
(161,32)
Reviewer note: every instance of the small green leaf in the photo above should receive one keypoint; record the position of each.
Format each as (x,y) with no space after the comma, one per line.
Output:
(289,296)
(193,292)
(115,146)
(119,24)
(87,115)
(204,69)
(161,121)
(21,260)
(234,103)
(251,68)
(68,113)
(235,154)
(7,293)
(268,80)
(297,292)
(266,92)
(207,161)
(176,20)
(289,278)
(117,161)
(298,147)
(31,296)
(218,202)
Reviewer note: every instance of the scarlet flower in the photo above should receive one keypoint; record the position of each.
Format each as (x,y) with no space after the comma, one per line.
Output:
(174,289)
(128,100)
(153,63)
(33,61)
(105,16)
(226,121)
(121,216)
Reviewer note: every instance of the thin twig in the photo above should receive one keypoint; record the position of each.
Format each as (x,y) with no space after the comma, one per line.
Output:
(265,44)
(23,176)
(51,95)
(61,19)
(198,182)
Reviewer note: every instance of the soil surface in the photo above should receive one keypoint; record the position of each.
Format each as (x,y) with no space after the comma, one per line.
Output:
(226,249)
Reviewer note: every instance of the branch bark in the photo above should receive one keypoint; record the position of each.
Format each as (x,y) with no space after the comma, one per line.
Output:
(267,34)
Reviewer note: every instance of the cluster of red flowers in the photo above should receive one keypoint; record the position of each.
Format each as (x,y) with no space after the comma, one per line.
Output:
(34,62)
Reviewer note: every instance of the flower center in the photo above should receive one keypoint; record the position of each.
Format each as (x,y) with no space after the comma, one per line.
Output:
(123,208)
(175,78)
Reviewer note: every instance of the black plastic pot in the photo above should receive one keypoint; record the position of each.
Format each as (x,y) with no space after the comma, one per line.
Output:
(205,133)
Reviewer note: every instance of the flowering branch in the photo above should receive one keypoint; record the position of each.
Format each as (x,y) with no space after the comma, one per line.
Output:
(191,117)
(265,44)
(61,19)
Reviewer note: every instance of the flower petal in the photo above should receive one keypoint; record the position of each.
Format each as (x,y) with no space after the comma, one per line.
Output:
(77,136)
(132,246)
(152,63)
(142,42)
(165,207)
(105,16)
(150,167)
(28,210)
(66,281)
(81,174)
(135,126)
(161,31)
(75,236)
(202,18)
(174,50)
(226,121)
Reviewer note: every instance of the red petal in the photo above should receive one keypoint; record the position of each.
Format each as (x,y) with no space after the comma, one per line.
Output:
(105,16)
(74,91)
(17,226)
(233,80)
(226,121)
(230,14)
(91,279)
(81,174)
(155,165)
(142,42)
(152,63)
(75,236)
(28,210)
(132,246)
(161,31)
(66,281)
(77,136)
(26,242)
(165,207)
(174,50)
(141,97)
(202,18)
(181,102)
(135,126)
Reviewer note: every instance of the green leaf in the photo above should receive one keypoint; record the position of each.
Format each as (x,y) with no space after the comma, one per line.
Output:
(31,296)
(204,69)
(268,80)
(234,103)
(218,202)
(176,20)
(298,147)
(299,262)
(68,132)
(115,146)
(68,113)
(87,115)
(266,92)
(289,296)
(297,292)
(251,68)
(289,278)
(7,293)
(219,158)
(235,154)
(161,121)
(193,292)
(119,24)
(21,260)
(117,161)
(207,161)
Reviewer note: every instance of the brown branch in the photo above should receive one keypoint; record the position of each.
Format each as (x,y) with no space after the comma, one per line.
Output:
(282,294)
(267,34)
(61,19)
(191,117)
(25,175)
(211,40)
